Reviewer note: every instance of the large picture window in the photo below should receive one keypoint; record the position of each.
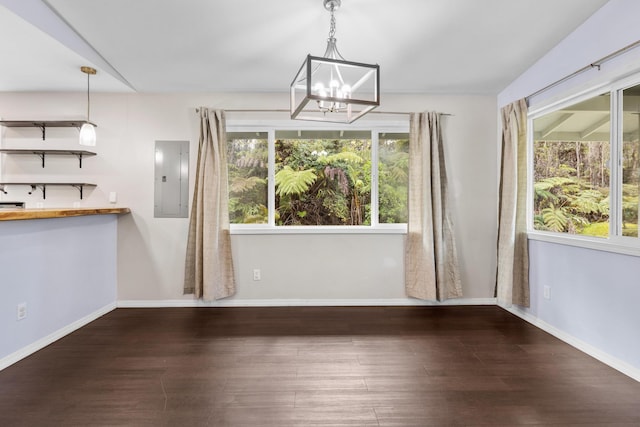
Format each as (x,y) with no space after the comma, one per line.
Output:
(323,178)
(571,153)
(586,167)
(318,178)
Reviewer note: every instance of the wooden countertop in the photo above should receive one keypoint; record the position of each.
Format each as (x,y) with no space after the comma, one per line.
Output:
(19,214)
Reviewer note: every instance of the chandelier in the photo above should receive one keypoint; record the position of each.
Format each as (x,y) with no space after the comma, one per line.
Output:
(334,89)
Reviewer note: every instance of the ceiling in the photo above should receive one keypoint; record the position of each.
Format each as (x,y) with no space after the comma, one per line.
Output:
(149,46)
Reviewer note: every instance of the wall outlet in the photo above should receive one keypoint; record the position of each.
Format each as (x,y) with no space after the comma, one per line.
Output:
(256,274)
(21,311)
(546,292)
(39,205)
(113,197)
(76,204)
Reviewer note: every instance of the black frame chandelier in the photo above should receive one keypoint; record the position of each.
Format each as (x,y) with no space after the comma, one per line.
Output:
(334,89)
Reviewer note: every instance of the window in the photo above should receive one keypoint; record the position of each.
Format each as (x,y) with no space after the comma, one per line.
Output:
(576,188)
(571,169)
(630,164)
(393,170)
(247,166)
(317,179)
(323,178)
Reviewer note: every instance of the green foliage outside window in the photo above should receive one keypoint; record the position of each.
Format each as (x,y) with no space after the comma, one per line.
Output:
(247,168)
(319,179)
(571,187)
(323,182)
(393,170)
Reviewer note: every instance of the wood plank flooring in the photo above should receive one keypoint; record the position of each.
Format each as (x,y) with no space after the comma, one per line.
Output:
(314,366)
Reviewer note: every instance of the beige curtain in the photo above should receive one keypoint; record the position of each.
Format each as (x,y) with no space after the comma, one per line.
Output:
(512,284)
(209,265)
(431,260)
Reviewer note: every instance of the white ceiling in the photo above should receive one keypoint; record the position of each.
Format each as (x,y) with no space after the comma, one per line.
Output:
(422,46)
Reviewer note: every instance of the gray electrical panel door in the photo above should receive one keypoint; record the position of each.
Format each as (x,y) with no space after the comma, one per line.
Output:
(171,199)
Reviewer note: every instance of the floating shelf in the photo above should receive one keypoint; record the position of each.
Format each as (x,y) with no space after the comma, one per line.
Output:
(42,153)
(44,124)
(43,186)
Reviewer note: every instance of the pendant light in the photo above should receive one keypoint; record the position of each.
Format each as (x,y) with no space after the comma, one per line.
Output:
(88,129)
(336,90)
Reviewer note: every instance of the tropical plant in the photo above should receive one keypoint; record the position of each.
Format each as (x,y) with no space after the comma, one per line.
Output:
(317,181)
(290,182)
(247,170)
(571,191)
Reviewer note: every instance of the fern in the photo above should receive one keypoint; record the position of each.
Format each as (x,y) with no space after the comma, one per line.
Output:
(256,214)
(241,184)
(587,202)
(538,223)
(399,166)
(555,219)
(290,182)
(542,191)
(604,206)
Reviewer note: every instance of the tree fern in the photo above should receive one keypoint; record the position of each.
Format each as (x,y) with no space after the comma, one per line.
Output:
(241,184)
(543,192)
(290,182)
(399,166)
(587,202)
(555,219)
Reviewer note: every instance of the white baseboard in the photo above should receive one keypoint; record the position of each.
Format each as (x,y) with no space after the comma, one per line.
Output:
(607,359)
(49,339)
(300,302)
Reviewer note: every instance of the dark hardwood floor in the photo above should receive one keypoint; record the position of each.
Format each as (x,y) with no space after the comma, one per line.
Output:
(358,366)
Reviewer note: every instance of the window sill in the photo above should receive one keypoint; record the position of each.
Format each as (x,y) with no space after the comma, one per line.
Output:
(624,245)
(388,229)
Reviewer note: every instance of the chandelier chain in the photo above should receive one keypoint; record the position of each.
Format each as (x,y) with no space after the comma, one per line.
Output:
(332,28)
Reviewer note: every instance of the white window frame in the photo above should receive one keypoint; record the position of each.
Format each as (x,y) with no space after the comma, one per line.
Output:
(615,242)
(271,126)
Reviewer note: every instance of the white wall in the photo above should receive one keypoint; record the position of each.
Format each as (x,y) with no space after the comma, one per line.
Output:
(594,294)
(302,267)
(64,269)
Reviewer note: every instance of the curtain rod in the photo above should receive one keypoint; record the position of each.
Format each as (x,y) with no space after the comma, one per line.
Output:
(595,64)
(276,110)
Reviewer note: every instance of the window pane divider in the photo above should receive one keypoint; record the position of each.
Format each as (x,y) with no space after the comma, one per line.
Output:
(271,177)
(615,169)
(375,162)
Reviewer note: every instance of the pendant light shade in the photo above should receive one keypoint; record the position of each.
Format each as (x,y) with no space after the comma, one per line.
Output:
(88,130)
(88,135)
(334,89)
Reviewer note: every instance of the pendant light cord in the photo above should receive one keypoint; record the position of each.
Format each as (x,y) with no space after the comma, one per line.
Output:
(88,97)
